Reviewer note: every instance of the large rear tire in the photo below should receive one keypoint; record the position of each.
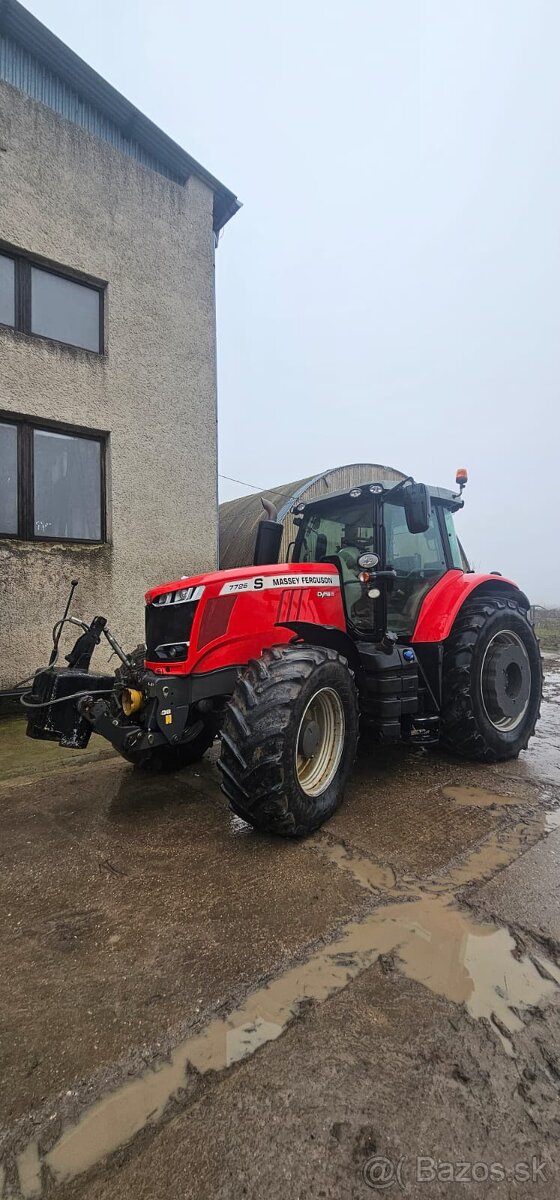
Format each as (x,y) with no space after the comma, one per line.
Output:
(289,739)
(492,680)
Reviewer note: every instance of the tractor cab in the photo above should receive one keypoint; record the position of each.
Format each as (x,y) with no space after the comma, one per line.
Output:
(390,544)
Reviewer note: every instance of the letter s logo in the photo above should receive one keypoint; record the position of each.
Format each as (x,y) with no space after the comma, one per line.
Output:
(259,583)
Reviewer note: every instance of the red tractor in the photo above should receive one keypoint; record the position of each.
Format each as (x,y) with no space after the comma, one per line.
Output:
(377,625)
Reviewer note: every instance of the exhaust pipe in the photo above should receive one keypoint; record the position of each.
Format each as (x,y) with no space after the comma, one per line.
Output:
(270,509)
(269,536)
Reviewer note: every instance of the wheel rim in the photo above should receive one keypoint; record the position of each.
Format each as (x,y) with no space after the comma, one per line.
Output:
(320,742)
(506,680)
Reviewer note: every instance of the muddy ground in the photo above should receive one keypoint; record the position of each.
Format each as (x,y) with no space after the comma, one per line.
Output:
(188,1009)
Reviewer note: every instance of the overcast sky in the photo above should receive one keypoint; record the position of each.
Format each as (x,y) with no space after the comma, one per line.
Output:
(390,290)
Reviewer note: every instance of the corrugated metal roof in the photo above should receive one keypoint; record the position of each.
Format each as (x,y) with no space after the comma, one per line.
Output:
(25,72)
(239,518)
(39,64)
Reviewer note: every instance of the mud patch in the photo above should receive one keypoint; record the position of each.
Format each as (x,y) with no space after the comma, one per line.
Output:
(476,797)
(436,944)
(371,876)
(29,1171)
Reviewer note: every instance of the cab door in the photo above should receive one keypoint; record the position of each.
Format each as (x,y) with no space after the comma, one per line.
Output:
(417,559)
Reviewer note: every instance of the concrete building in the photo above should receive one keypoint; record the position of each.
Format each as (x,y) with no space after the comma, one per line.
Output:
(107,348)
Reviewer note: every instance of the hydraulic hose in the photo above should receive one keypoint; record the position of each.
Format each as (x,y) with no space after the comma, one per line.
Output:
(62,699)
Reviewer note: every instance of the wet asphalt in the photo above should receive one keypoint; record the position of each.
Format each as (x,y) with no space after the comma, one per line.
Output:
(188,1008)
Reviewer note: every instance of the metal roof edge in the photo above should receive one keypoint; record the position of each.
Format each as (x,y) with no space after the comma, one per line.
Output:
(18,23)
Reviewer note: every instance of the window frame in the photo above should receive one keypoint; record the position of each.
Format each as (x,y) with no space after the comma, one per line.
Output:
(23,264)
(26,426)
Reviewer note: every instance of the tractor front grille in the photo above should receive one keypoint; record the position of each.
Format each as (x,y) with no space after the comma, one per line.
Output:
(168,631)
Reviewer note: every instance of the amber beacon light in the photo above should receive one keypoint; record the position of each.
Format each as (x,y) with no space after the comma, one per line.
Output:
(462,478)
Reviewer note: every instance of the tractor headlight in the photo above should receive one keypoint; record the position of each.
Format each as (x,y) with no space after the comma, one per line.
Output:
(180,596)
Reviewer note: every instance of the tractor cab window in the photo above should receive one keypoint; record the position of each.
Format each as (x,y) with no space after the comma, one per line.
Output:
(340,533)
(419,561)
(457,553)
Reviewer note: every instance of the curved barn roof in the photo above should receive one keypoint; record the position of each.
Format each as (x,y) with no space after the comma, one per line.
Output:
(239,518)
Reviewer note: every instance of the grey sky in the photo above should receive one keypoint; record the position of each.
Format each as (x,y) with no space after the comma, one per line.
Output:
(389,292)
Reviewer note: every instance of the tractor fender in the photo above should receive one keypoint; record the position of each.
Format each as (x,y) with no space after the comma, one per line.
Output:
(330,636)
(443,601)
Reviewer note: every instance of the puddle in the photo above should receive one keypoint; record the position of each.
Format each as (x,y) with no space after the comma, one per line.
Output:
(435,943)
(497,851)
(29,1171)
(475,797)
(370,875)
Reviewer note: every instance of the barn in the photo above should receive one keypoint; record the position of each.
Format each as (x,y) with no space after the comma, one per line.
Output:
(239,518)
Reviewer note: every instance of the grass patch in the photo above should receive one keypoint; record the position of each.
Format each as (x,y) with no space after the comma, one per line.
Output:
(547,628)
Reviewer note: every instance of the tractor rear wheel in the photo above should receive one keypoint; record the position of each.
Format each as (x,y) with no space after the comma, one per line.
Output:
(289,739)
(492,680)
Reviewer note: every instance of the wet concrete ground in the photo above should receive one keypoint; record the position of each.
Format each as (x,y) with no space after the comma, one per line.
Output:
(188,1009)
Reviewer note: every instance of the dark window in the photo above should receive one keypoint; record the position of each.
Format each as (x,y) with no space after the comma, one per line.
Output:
(7,290)
(50,304)
(52,483)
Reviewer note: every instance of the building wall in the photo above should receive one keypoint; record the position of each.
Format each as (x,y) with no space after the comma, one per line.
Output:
(77,202)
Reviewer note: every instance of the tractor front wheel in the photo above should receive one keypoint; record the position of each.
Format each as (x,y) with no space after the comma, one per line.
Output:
(492,680)
(289,739)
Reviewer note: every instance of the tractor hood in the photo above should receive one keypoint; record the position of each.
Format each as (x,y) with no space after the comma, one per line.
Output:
(244,579)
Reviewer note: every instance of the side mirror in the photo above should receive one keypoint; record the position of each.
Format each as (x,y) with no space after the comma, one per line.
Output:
(417,507)
(267,543)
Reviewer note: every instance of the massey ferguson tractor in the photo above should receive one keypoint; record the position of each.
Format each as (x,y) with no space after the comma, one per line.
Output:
(376,626)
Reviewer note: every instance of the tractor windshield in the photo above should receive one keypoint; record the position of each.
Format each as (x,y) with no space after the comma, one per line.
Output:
(339,533)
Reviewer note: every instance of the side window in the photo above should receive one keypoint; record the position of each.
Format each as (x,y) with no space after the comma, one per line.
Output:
(7,290)
(456,556)
(67,499)
(60,479)
(38,300)
(413,552)
(8,478)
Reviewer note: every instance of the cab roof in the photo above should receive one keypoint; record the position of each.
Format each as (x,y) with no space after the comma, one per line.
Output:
(451,500)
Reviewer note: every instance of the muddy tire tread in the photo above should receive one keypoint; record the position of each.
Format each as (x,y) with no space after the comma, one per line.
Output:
(256,719)
(460,731)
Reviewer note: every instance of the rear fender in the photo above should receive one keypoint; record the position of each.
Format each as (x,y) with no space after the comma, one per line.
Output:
(444,601)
